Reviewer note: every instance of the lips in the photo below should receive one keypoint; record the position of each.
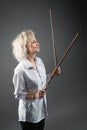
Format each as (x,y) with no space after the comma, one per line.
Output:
(37,47)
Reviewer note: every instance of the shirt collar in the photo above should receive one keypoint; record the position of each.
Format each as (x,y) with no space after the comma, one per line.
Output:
(28,64)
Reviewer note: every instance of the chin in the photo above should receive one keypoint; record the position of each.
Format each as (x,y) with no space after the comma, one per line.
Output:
(38,50)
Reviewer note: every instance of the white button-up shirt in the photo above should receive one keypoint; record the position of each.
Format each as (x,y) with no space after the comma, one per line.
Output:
(27,79)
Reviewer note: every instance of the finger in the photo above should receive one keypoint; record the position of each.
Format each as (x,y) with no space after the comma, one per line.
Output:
(42,91)
(41,95)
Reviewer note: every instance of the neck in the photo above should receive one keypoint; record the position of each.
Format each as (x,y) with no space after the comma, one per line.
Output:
(31,57)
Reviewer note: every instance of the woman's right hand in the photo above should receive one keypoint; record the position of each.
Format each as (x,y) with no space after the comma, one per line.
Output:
(40,94)
(36,95)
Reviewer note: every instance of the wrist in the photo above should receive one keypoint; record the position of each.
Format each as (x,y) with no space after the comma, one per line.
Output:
(30,96)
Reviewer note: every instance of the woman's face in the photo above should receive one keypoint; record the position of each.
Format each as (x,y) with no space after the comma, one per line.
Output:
(33,47)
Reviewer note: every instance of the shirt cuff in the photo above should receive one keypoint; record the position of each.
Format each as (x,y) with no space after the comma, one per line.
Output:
(21,95)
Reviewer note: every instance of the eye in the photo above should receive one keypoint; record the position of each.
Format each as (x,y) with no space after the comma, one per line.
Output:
(35,41)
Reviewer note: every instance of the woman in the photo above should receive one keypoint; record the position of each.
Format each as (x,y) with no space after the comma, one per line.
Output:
(29,80)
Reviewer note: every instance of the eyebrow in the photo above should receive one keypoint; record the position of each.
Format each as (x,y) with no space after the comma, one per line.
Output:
(34,41)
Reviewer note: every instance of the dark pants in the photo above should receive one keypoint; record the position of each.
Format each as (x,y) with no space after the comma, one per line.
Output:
(33,126)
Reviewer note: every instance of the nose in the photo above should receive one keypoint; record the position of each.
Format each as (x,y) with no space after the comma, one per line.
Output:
(37,43)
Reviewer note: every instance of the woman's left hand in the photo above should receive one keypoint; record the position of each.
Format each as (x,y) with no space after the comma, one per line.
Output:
(58,71)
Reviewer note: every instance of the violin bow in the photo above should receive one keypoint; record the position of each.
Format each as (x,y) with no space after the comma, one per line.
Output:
(54,50)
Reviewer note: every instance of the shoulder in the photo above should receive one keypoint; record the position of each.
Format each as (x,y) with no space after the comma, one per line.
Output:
(40,62)
(19,68)
(39,59)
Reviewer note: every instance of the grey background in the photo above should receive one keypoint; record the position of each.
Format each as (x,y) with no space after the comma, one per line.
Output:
(67,98)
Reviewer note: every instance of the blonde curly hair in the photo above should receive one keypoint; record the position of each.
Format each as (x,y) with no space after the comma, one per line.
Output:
(20,42)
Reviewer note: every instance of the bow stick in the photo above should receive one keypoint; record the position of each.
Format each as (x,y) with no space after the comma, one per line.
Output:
(53,38)
(64,56)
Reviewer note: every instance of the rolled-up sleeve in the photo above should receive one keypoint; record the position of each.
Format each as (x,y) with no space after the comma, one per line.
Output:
(19,85)
(48,78)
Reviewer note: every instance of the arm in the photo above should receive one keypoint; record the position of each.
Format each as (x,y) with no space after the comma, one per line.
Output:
(49,76)
(20,89)
(58,72)
(19,85)
(36,95)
